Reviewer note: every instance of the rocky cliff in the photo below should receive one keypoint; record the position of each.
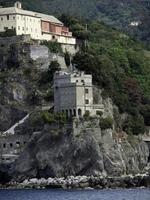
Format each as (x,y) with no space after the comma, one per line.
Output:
(83,150)
(24,83)
(80,147)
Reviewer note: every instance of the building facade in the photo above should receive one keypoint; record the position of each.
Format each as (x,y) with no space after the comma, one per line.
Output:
(73,94)
(39,26)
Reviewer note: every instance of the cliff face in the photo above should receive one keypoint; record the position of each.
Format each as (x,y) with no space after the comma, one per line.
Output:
(84,150)
(22,68)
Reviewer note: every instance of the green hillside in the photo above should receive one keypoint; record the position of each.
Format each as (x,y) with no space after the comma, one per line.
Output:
(120,65)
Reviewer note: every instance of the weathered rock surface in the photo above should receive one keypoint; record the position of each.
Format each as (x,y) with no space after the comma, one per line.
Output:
(85,150)
(85,182)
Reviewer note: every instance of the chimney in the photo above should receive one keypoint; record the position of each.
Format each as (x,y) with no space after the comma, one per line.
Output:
(18,5)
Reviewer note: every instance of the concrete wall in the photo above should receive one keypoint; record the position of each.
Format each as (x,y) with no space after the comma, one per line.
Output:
(7,41)
(28,25)
(73,93)
(39,52)
(7,21)
(11,146)
(59,38)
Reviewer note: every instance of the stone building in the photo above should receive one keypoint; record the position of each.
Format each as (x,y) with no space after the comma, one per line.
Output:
(73,94)
(39,26)
(11,147)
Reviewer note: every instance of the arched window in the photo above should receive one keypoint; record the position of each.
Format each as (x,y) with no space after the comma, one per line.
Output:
(70,113)
(67,113)
(74,112)
(11,145)
(79,112)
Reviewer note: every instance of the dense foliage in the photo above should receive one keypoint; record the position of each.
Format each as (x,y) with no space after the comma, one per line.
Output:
(120,65)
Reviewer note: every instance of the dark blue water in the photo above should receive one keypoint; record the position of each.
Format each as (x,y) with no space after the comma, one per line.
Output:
(137,194)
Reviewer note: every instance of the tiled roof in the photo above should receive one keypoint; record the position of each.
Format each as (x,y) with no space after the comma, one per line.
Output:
(14,10)
(49,18)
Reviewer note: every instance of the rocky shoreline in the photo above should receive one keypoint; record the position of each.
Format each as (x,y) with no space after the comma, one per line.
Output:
(83,182)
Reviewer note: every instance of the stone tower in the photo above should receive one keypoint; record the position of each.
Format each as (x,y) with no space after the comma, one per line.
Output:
(73,93)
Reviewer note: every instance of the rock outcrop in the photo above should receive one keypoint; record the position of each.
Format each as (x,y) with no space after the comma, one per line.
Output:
(84,150)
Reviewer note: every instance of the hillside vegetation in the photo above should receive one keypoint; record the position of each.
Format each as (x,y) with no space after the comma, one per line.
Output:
(118,13)
(120,65)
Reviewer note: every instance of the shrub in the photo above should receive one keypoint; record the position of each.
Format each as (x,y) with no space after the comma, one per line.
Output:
(8,33)
(134,125)
(86,115)
(48,117)
(54,117)
(27,72)
(106,123)
(47,76)
(53,46)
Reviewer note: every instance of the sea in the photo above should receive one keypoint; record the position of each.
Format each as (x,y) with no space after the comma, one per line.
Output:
(57,194)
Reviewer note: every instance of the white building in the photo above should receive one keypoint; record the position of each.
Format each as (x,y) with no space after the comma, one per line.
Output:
(39,26)
(73,94)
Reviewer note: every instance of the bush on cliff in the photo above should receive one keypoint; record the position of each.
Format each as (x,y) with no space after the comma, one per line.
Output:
(53,46)
(106,123)
(51,118)
(47,76)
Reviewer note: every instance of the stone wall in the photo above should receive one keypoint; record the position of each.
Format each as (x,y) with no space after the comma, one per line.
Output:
(7,41)
(11,146)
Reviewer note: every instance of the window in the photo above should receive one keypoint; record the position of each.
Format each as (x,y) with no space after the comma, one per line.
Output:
(98,112)
(1,18)
(4,145)
(23,28)
(14,18)
(18,144)
(74,112)
(79,112)
(86,101)
(86,91)
(7,17)
(11,145)
(76,81)
(70,112)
